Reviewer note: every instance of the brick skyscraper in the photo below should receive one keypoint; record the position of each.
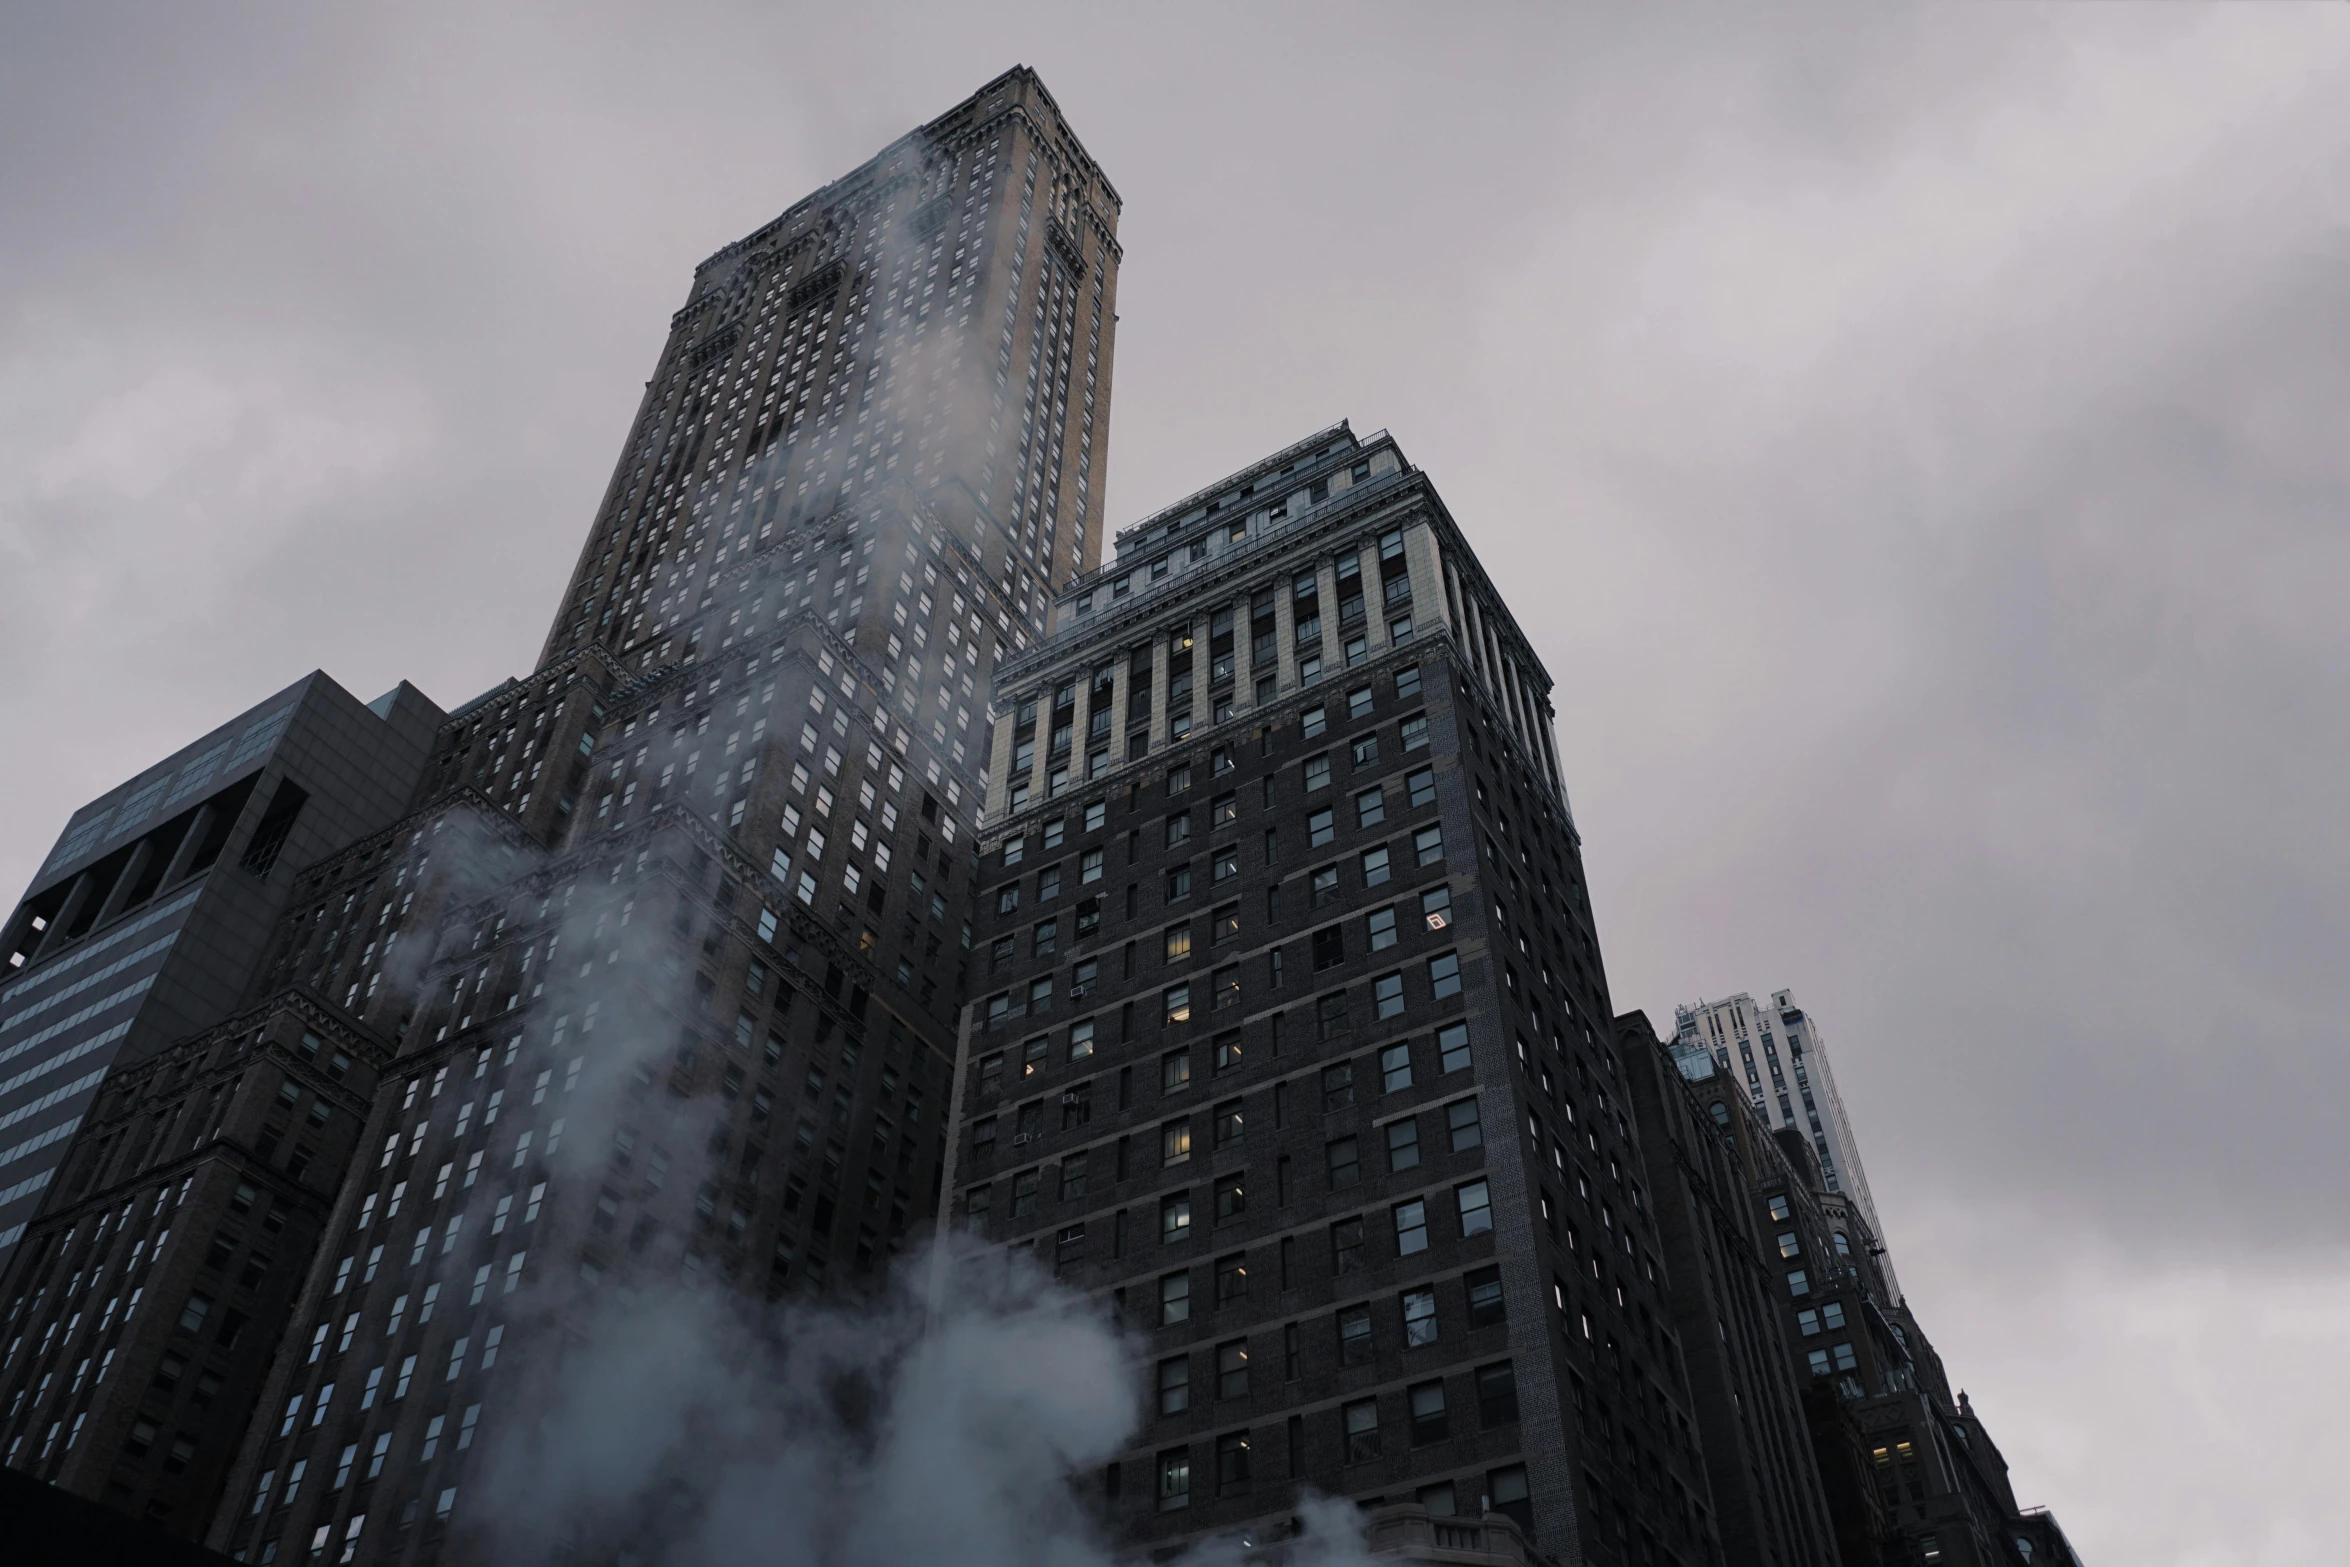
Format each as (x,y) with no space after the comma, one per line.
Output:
(1295,1038)
(694,891)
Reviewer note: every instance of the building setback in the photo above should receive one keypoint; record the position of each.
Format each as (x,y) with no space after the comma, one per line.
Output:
(1291,1035)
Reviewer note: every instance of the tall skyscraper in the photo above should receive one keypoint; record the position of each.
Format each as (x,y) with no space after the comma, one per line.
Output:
(1293,1039)
(660,968)
(128,940)
(1791,1088)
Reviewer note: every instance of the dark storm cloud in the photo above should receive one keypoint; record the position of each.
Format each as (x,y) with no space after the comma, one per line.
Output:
(1922,438)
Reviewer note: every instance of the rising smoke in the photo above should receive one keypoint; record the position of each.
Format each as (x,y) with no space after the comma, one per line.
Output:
(962,1412)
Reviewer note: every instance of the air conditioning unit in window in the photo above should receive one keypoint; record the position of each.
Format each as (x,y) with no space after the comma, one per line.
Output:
(1019,1138)
(1072,1098)
(1438,920)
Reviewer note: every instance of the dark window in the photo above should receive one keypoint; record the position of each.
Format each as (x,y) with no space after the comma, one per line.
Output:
(1497,1395)
(1486,1306)
(1428,1420)
(1345,1163)
(1346,1250)
(1232,1369)
(1362,1430)
(1338,1085)
(1329,947)
(1354,1336)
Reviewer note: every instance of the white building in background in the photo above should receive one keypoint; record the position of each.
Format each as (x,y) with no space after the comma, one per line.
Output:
(1777,1051)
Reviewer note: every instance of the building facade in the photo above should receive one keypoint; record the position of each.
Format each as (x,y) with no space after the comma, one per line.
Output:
(149,916)
(1725,1306)
(1791,1088)
(1290,1039)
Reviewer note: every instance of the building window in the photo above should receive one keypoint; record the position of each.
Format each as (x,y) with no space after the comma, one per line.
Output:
(1321,829)
(1174,1071)
(1507,1492)
(1345,1163)
(1175,1385)
(1381,924)
(1798,1284)
(1497,1395)
(1395,1068)
(1403,1145)
(1232,1463)
(1174,1299)
(1362,1430)
(1174,1218)
(1415,731)
(1232,1369)
(1487,1306)
(1325,886)
(1329,946)
(1317,771)
(1338,1086)
(1444,977)
(1174,1143)
(1174,1479)
(1428,1417)
(1231,1278)
(1411,1228)
(1428,844)
(1476,1206)
(1419,1318)
(1346,1245)
(1460,1119)
(1387,995)
(1355,1347)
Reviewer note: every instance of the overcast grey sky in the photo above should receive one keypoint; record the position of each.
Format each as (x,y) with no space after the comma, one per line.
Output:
(1919,439)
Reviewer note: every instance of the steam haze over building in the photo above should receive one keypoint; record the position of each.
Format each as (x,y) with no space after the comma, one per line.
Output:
(1933,342)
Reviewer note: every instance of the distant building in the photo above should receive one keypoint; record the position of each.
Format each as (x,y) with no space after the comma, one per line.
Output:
(1777,1052)
(148,919)
(1726,1307)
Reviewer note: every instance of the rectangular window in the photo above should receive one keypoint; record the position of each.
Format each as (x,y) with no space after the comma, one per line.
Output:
(1419,1318)
(1175,1385)
(1452,1047)
(1476,1206)
(1178,1003)
(1395,1068)
(1174,1299)
(1428,844)
(1362,1430)
(1354,1336)
(1460,1119)
(1444,975)
(1428,1418)
(1324,887)
(1497,1395)
(1313,721)
(1415,731)
(1322,829)
(1232,1369)
(1174,1479)
(1403,1144)
(1376,869)
(1317,771)
(1345,1163)
(1174,1071)
(1346,1245)
(1382,928)
(1175,1218)
(1387,995)
(1487,1308)
(1174,1143)
(1422,785)
(1411,1228)
(1338,1086)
